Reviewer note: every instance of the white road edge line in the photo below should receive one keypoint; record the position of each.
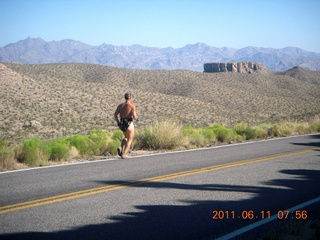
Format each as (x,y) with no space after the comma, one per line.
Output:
(155,154)
(266,220)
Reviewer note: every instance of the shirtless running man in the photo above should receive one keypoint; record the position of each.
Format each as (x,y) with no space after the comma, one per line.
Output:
(127,112)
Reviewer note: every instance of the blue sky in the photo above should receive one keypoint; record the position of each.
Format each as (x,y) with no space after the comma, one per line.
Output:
(165,23)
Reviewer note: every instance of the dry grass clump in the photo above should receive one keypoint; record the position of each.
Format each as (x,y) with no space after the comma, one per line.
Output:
(165,134)
(7,160)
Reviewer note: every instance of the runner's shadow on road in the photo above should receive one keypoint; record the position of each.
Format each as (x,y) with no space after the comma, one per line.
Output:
(190,218)
(310,144)
(315,145)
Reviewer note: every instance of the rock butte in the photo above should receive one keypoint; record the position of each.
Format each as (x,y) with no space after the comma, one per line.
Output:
(240,67)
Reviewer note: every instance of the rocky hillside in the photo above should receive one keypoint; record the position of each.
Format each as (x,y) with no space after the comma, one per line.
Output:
(240,67)
(52,100)
(190,57)
(302,74)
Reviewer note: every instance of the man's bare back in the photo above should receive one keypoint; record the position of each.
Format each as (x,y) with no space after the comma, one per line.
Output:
(126,110)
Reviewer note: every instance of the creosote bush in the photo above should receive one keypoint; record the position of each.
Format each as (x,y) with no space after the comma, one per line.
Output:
(260,132)
(225,134)
(34,153)
(199,137)
(101,138)
(85,145)
(115,142)
(245,131)
(59,149)
(315,127)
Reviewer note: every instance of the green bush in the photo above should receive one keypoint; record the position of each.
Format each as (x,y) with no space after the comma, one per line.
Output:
(113,145)
(101,139)
(34,153)
(240,127)
(194,136)
(245,131)
(250,133)
(209,135)
(59,149)
(117,134)
(225,134)
(144,139)
(3,144)
(281,130)
(85,145)
(315,127)
(199,137)
(273,131)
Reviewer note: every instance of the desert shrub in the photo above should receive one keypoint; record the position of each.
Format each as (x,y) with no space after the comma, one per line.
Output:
(194,136)
(73,153)
(225,134)
(113,145)
(301,128)
(245,131)
(59,149)
(3,144)
(101,138)
(280,130)
(285,129)
(240,127)
(115,142)
(250,133)
(85,145)
(314,124)
(273,131)
(261,132)
(315,127)
(144,138)
(117,134)
(7,160)
(209,135)
(199,137)
(34,152)
(165,134)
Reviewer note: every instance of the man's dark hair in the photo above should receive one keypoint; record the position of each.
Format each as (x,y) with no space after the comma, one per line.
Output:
(127,96)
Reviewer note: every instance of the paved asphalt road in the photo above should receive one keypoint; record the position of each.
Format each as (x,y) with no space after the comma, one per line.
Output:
(164,196)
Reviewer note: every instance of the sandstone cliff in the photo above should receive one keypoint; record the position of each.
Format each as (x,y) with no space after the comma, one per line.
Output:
(241,67)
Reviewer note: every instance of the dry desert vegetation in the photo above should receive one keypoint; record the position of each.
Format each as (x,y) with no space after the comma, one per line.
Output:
(54,100)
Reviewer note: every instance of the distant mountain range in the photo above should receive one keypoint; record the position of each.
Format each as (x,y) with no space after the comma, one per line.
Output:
(189,57)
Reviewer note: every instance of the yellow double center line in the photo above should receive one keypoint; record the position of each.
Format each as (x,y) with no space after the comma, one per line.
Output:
(103,189)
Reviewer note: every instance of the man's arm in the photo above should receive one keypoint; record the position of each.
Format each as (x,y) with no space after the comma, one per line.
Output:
(134,112)
(116,114)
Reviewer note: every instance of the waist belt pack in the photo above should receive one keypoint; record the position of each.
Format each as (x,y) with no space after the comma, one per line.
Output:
(124,123)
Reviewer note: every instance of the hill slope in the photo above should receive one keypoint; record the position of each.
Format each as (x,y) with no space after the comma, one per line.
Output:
(31,95)
(302,74)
